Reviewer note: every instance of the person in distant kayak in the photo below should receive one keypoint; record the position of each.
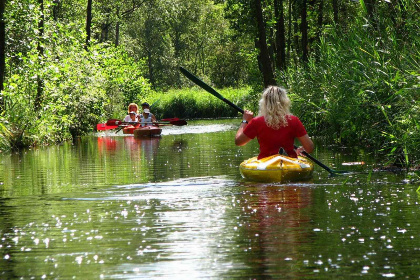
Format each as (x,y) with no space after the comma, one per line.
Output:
(145,106)
(131,117)
(275,127)
(132,107)
(146,118)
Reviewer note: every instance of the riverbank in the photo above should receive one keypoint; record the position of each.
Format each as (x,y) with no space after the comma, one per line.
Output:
(195,103)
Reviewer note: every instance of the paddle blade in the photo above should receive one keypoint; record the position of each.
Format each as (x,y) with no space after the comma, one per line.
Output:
(178,122)
(208,88)
(112,122)
(199,82)
(104,126)
(169,119)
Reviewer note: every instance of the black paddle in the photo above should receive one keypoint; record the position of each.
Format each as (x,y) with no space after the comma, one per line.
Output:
(205,86)
(209,89)
(331,171)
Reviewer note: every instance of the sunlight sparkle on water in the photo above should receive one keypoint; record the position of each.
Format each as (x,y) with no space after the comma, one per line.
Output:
(177,208)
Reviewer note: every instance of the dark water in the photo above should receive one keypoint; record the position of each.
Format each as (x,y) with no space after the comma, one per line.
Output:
(114,207)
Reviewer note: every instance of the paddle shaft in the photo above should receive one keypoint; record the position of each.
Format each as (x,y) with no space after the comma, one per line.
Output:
(173,121)
(318,162)
(209,89)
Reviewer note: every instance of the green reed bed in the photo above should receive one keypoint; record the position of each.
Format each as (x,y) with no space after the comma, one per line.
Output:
(195,103)
(363,88)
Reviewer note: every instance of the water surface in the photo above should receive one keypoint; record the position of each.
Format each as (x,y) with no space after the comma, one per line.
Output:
(114,207)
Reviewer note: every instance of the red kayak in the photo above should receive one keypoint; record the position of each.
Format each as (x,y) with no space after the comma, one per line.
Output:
(129,129)
(138,131)
(147,131)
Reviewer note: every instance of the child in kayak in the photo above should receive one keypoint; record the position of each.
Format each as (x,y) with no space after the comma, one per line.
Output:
(275,127)
(146,118)
(132,109)
(131,117)
(149,117)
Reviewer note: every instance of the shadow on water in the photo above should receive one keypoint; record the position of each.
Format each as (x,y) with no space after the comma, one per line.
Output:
(116,207)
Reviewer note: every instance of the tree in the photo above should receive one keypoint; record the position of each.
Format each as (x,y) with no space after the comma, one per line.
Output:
(2,51)
(335,10)
(304,31)
(280,35)
(320,17)
(40,48)
(264,57)
(56,9)
(112,15)
(88,24)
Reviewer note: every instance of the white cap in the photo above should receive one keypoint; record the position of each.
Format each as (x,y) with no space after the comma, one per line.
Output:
(146,111)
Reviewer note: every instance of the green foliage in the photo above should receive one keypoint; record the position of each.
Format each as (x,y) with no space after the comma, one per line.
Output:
(190,33)
(196,103)
(360,85)
(76,89)
(363,88)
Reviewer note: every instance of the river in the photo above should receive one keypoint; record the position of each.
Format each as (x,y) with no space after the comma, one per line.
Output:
(114,207)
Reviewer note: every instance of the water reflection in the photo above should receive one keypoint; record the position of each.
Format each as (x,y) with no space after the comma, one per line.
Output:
(175,207)
(107,143)
(276,227)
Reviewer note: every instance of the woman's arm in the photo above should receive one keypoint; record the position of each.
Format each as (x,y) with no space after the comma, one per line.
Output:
(307,145)
(154,118)
(240,138)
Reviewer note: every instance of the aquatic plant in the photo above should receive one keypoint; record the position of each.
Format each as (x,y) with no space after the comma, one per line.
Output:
(362,88)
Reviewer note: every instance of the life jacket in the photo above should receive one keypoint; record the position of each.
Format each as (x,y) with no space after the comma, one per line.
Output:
(146,122)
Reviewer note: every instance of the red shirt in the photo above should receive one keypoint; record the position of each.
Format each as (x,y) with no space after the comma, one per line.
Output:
(271,140)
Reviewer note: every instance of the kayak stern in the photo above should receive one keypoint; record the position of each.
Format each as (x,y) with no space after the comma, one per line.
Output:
(276,168)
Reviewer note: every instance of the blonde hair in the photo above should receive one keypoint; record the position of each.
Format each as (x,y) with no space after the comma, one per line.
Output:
(133,104)
(275,106)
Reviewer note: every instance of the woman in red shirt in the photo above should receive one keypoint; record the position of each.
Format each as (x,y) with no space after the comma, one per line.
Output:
(275,127)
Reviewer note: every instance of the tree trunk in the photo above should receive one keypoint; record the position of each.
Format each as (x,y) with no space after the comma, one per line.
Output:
(104,31)
(2,51)
(296,44)
(117,29)
(117,33)
(320,17)
(371,13)
(280,35)
(304,30)
(150,66)
(335,11)
(264,57)
(370,8)
(289,35)
(56,9)
(88,24)
(40,47)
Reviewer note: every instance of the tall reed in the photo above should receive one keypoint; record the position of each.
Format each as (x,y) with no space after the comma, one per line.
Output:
(196,103)
(363,88)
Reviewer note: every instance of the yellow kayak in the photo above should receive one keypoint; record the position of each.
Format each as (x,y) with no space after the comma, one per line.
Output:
(276,168)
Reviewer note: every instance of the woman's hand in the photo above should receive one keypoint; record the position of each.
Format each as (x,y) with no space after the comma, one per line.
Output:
(300,150)
(248,115)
